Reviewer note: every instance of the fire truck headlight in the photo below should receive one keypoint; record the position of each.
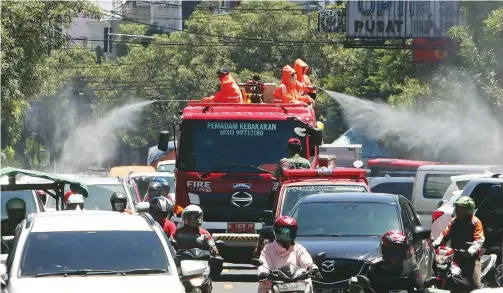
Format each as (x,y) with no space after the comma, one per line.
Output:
(194,198)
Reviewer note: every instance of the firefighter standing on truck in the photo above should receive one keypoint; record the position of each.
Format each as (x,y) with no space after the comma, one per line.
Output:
(286,92)
(294,160)
(229,90)
(303,83)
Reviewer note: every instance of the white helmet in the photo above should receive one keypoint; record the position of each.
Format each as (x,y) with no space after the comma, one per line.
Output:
(75,201)
(192,216)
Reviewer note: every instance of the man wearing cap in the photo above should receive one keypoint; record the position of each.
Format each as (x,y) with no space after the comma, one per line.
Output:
(294,161)
(229,90)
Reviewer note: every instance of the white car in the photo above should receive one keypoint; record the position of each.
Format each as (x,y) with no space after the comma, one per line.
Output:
(92,251)
(100,191)
(166,166)
(478,189)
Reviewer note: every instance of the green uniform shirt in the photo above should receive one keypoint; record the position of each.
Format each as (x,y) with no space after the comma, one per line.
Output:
(293,162)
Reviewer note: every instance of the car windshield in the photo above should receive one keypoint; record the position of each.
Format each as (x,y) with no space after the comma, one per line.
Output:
(53,252)
(345,218)
(401,188)
(99,197)
(26,195)
(205,145)
(166,168)
(294,194)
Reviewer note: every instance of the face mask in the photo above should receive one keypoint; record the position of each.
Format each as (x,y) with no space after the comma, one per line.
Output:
(119,206)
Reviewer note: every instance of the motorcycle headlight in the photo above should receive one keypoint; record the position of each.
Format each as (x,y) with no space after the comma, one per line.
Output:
(197,281)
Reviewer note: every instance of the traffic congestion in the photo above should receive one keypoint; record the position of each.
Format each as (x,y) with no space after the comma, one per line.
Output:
(321,163)
(303,224)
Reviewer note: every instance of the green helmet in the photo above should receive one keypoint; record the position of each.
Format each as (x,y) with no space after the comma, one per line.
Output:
(466,202)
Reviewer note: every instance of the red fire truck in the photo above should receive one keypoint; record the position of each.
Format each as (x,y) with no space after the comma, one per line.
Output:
(225,163)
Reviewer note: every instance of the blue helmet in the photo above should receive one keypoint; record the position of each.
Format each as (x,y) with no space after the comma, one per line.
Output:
(163,181)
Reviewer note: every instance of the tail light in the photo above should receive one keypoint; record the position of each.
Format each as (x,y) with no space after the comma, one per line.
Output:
(436,214)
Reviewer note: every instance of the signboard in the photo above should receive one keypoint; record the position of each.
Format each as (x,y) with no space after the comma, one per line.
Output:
(401,19)
(332,20)
(425,55)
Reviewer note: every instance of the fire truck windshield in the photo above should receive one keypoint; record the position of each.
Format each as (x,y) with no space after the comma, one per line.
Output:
(206,145)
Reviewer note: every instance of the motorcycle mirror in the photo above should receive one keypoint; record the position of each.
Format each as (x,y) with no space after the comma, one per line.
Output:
(430,282)
(256,262)
(364,281)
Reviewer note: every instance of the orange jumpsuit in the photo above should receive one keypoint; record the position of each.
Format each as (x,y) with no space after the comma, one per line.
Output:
(303,83)
(286,91)
(229,92)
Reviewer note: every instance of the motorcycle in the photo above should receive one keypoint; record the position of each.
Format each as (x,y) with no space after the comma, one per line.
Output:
(7,243)
(187,258)
(449,274)
(288,278)
(361,283)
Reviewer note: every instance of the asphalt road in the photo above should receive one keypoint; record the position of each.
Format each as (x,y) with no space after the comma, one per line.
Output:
(236,278)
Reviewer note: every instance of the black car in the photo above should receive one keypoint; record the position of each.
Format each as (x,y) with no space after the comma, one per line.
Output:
(348,227)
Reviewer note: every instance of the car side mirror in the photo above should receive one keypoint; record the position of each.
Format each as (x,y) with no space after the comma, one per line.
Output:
(267,216)
(440,203)
(421,232)
(143,207)
(163,140)
(192,269)
(316,136)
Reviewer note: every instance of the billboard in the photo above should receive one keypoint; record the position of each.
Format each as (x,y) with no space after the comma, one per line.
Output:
(401,19)
(425,55)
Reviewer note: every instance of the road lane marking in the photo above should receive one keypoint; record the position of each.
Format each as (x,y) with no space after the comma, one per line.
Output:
(228,286)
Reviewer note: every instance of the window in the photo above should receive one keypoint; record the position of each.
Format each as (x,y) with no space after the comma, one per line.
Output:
(461,184)
(406,221)
(410,209)
(166,168)
(26,195)
(480,192)
(260,144)
(345,218)
(435,185)
(294,194)
(53,252)
(401,188)
(98,198)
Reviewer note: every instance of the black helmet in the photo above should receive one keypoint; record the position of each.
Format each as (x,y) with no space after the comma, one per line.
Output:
(154,189)
(118,200)
(160,206)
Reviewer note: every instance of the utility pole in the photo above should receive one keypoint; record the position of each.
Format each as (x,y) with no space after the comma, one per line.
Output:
(308,15)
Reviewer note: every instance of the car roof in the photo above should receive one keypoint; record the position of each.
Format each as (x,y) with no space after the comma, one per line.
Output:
(465,177)
(166,162)
(378,180)
(350,197)
(152,174)
(483,180)
(323,181)
(87,220)
(91,180)
(458,167)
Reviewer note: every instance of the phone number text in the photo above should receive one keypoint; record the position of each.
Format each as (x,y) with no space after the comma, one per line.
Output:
(231,132)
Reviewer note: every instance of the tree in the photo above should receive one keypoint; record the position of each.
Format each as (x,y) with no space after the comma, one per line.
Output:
(31,31)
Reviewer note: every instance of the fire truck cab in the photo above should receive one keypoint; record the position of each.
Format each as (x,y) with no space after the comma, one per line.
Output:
(297,184)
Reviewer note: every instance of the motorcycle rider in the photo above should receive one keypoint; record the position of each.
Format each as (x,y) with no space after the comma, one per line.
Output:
(283,251)
(397,261)
(16,213)
(463,228)
(294,160)
(191,235)
(154,190)
(75,202)
(118,200)
(165,188)
(160,208)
